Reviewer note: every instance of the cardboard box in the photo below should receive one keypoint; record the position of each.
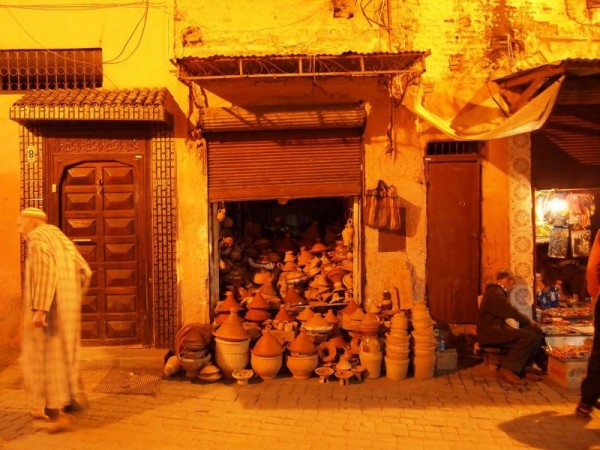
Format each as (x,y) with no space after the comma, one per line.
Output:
(447,359)
(568,373)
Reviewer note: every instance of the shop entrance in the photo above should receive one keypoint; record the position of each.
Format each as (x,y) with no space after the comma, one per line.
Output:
(272,246)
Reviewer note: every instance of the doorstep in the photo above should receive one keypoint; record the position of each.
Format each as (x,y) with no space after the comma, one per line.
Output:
(126,357)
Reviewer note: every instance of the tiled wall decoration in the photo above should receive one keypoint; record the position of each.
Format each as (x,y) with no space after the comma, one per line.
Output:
(521,223)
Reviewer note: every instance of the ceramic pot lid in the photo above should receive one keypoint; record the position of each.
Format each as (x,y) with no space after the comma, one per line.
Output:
(306,314)
(258,302)
(350,308)
(283,315)
(292,298)
(232,328)
(229,303)
(267,345)
(331,317)
(302,345)
(317,323)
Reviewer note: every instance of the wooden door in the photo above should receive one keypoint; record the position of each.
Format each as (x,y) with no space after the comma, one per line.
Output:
(101,208)
(453,239)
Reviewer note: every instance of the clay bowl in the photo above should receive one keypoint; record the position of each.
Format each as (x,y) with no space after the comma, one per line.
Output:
(242,375)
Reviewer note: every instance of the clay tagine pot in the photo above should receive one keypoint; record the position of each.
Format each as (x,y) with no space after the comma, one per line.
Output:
(302,345)
(232,329)
(267,345)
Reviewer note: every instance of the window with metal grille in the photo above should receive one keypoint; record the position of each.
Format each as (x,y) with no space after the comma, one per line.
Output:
(24,70)
(454,148)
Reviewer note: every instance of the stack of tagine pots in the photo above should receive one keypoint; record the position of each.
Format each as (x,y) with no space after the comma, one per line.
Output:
(267,356)
(424,343)
(397,348)
(370,354)
(232,342)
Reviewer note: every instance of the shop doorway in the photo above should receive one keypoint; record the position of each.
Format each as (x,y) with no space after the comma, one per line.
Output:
(99,202)
(257,238)
(453,238)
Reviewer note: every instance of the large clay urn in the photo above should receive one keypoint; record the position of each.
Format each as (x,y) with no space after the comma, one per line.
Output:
(303,357)
(231,344)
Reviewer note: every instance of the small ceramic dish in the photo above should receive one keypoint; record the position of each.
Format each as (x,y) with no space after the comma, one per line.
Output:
(324,373)
(242,375)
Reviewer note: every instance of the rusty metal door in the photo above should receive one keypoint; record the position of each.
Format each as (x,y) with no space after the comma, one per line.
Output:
(101,208)
(453,239)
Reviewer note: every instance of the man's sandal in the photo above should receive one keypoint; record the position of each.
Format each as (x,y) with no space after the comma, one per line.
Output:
(583,411)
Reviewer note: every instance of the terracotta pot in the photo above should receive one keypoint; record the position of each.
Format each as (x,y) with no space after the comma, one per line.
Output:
(396,369)
(424,366)
(302,366)
(372,363)
(230,355)
(266,367)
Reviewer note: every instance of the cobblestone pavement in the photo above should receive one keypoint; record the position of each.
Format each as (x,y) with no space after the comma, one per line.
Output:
(467,409)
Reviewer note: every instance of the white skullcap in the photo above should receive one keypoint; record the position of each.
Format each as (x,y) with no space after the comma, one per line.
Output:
(34,213)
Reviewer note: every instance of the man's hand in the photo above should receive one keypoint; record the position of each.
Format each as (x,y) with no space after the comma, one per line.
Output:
(39,319)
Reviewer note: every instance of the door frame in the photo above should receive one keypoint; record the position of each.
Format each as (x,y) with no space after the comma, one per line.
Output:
(55,166)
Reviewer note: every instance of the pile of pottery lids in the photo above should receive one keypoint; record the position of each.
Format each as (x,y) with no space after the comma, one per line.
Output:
(397,348)
(191,351)
(424,344)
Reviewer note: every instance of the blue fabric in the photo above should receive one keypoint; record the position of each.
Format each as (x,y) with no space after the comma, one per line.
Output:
(548,299)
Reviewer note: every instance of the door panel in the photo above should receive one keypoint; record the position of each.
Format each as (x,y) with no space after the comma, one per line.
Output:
(453,246)
(100,209)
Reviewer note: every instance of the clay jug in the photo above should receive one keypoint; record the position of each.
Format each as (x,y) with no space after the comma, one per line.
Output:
(221,214)
(348,233)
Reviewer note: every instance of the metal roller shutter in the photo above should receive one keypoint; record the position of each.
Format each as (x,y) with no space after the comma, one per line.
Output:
(284,164)
(284,152)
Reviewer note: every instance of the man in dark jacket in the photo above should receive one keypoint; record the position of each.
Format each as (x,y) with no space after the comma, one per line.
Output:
(500,324)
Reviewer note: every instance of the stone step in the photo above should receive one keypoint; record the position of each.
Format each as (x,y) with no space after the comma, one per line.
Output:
(125,357)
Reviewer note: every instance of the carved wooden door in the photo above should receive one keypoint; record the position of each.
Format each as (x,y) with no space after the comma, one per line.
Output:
(101,209)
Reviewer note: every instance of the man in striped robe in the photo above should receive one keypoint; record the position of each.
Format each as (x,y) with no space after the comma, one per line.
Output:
(56,276)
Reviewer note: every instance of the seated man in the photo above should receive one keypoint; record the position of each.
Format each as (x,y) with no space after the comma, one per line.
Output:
(500,324)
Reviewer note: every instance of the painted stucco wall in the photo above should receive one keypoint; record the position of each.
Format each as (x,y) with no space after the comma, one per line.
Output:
(142,61)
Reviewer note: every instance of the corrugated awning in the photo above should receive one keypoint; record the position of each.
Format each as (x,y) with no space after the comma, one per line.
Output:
(279,66)
(146,104)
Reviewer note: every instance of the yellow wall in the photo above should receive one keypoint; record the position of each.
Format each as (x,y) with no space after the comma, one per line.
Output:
(144,65)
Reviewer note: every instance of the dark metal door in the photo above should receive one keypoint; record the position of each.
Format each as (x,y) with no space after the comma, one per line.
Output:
(453,239)
(101,210)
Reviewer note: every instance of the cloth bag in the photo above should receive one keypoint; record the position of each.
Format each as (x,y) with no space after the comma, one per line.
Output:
(381,207)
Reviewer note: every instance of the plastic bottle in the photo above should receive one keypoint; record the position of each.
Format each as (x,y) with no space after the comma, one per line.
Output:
(441,345)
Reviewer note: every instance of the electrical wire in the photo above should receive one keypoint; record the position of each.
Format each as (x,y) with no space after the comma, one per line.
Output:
(144,20)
